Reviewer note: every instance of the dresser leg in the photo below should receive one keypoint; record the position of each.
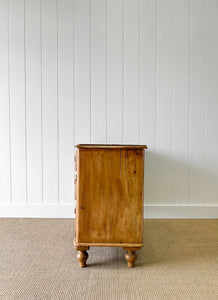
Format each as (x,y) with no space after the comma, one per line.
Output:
(82,255)
(131,257)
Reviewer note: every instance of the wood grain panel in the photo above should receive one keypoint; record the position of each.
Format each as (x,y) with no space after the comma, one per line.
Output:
(110,182)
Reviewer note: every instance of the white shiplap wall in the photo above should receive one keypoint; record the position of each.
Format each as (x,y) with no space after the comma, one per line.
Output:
(109,71)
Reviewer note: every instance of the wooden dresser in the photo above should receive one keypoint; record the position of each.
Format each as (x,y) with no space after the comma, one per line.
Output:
(109,198)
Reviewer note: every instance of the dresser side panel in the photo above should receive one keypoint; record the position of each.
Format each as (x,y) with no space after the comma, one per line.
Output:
(110,193)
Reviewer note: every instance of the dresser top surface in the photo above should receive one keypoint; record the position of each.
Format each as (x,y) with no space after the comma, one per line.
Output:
(110,146)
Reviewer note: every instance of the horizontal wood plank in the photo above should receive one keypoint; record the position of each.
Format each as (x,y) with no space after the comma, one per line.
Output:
(109,146)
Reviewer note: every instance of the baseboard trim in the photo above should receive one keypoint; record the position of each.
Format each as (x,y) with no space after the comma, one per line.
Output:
(37,211)
(181,212)
(150,211)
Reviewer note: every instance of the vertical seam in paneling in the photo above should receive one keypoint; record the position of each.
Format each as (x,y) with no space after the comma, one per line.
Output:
(205,100)
(9,101)
(156,38)
(123,72)
(173,98)
(74,113)
(42,158)
(25,102)
(58,120)
(106,69)
(189,83)
(139,73)
(90,66)
(155,99)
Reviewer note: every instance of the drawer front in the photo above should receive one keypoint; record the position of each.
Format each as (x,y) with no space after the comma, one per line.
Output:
(75,179)
(75,190)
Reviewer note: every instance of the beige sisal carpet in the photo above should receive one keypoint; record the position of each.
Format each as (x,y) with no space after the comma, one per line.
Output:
(179,261)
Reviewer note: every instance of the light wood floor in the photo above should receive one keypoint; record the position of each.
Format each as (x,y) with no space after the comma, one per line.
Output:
(179,261)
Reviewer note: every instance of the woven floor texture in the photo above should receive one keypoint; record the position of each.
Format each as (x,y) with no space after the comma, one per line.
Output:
(179,261)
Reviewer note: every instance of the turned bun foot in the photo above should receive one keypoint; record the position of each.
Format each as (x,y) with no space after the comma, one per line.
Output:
(131,257)
(82,257)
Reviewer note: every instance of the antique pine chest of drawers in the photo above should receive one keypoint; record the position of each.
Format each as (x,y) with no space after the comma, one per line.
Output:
(109,198)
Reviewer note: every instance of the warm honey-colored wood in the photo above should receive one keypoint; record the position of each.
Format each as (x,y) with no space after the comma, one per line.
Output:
(81,248)
(109,193)
(125,246)
(82,255)
(131,257)
(111,146)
